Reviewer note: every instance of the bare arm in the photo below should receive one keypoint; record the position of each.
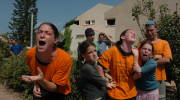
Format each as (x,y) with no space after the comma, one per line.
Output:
(161,60)
(110,84)
(50,86)
(136,67)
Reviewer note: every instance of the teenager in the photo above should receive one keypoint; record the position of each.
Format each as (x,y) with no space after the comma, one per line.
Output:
(50,66)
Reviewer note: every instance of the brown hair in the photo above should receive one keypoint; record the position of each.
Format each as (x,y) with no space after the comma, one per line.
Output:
(123,34)
(54,28)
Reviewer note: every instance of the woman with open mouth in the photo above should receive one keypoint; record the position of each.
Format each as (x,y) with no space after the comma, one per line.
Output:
(146,83)
(50,66)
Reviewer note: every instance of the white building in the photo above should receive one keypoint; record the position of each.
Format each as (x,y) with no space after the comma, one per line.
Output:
(111,20)
(92,18)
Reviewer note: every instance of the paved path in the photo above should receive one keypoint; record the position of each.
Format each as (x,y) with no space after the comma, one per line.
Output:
(7,94)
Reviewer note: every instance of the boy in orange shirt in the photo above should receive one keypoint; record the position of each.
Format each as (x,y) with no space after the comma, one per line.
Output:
(119,61)
(50,66)
(162,54)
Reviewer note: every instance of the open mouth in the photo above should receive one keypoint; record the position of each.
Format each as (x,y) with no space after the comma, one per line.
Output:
(42,43)
(145,55)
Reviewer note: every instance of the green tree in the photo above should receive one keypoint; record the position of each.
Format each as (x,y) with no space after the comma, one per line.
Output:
(69,23)
(143,8)
(65,39)
(169,29)
(68,38)
(20,24)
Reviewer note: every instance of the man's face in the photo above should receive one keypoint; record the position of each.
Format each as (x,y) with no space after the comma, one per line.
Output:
(90,38)
(45,38)
(151,32)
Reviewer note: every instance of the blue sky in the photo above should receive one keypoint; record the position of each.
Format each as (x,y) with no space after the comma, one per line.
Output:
(56,11)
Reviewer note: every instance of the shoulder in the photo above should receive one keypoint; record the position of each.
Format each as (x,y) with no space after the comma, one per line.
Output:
(30,51)
(114,47)
(87,67)
(164,41)
(152,61)
(63,54)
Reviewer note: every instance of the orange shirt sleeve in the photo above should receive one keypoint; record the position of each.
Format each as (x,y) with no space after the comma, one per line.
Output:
(62,75)
(167,50)
(30,56)
(105,58)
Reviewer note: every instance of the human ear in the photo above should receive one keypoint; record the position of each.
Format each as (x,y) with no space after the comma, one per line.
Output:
(56,40)
(122,37)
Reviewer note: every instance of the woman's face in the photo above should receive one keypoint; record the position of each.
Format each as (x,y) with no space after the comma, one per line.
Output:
(146,52)
(91,54)
(130,36)
(45,38)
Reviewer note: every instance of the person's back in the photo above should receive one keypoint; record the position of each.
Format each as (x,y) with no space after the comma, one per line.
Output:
(16,48)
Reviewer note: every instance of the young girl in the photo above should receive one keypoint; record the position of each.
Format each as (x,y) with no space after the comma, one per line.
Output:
(146,83)
(92,84)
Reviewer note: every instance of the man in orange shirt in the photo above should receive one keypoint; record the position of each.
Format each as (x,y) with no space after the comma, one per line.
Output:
(118,61)
(50,66)
(162,54)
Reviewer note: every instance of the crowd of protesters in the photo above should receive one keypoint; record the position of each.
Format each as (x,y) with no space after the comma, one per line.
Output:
(108,70)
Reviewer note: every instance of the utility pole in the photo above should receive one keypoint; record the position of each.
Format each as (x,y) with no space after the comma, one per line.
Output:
(31,35)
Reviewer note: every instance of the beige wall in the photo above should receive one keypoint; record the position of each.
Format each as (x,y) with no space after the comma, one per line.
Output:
(124,19)
(122,14)
(97,14)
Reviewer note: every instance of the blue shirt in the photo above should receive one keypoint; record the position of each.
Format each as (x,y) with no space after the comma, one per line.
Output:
(148,81)
(102,46)
(16,49)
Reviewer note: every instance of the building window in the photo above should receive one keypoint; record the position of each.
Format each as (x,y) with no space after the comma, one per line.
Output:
(80,36)
(76,22)
(93,22)
(111,21)
(88,22)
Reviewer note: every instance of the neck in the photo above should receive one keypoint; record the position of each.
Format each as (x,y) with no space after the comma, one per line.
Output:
(46,56)
(126,47)
(153,40)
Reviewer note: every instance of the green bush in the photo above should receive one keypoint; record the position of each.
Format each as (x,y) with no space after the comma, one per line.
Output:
(11,70)
(169,29)
(75,93)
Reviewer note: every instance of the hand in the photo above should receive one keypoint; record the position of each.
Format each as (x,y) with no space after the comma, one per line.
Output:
(136,76)
(111,84)
(30,79)
(37,90)
(108,77)
(157,57)
(137,68)
(135,51)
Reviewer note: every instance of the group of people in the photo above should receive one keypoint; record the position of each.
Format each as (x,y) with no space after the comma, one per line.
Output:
(15,47)
(118,73)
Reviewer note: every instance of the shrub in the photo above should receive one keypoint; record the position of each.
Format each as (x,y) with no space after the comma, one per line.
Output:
(11,70)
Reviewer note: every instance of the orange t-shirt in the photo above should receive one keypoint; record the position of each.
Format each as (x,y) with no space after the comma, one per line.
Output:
(121,70)
(58,71)
(162,47)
